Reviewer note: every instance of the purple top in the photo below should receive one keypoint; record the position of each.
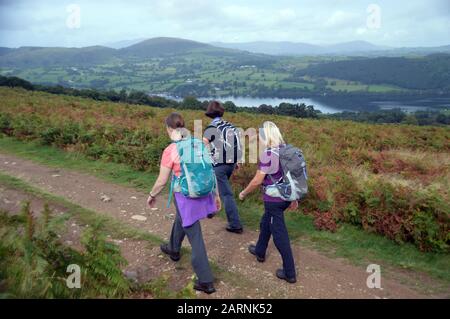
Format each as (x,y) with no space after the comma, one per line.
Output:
(269,163)
(194,209)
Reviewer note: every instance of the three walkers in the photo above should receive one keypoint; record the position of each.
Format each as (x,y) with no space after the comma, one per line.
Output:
(201,171)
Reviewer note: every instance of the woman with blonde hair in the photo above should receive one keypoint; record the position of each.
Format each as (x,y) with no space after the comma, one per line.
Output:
(272,222)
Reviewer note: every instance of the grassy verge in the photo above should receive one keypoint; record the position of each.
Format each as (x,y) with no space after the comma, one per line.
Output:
(51,156)
(349,242)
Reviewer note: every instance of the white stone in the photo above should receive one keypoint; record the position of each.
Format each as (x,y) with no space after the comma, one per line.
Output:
(139,218)
(105,198)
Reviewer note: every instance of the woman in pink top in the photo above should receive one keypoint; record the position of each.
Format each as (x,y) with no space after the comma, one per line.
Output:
(189,210)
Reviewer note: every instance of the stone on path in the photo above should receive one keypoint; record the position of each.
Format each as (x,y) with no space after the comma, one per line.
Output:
(105,198)
(139,218)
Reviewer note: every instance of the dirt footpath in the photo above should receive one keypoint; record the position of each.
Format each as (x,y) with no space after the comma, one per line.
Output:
(318,276)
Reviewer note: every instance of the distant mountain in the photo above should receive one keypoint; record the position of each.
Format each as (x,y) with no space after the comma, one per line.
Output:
(299,48)
(4,50)
(162,46)
(56,56)
(251,53)
(421,50)
(352,48)
(123,44)
(273,48)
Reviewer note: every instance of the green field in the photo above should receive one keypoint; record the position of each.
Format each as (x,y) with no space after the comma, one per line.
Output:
(214,75)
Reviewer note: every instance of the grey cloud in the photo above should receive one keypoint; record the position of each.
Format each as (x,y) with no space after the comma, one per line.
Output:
(415,22)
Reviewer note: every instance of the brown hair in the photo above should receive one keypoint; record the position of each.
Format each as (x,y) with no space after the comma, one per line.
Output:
(215,109)
(175,121)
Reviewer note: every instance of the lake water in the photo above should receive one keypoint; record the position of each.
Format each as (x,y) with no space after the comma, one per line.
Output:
(255,102)
(333,105)
(336,105)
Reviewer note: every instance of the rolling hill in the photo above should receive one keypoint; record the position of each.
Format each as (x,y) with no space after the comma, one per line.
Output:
(161,46)
(27,57)
(299,48)
(430,72)
(56,56)
(352,48)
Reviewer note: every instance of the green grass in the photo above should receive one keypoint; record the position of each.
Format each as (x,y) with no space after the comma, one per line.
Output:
(50,156)
(349,242)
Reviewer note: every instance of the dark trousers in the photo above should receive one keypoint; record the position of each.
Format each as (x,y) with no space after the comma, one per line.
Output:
(199,260)
(272,223)
(223,174)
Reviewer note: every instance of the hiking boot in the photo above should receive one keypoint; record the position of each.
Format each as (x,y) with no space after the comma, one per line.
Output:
(252,250)
(235,230)
(280,274)
(207,287)
(173,255)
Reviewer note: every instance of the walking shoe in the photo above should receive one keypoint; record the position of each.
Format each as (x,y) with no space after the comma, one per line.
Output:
(280,274)
(252,250)
(173,255)
(235,230)
(207,287)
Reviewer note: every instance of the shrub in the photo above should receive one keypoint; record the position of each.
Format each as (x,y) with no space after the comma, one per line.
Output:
(50,135)
(33,261)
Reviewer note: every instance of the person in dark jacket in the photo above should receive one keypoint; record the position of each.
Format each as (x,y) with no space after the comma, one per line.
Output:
(224,142)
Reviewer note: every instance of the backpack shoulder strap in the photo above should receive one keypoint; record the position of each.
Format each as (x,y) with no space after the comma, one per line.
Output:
(276,152)
(171,190)
(173,178)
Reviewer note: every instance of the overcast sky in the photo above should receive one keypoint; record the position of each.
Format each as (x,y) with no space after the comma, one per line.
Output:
(392,23)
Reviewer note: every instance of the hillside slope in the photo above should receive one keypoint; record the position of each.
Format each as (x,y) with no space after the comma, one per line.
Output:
(162,46)
(45,57)
(388,179)
(430,72)
(28,57)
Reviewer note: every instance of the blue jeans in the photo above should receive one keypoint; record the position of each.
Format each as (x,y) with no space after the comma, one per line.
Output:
(272,223)
(223,174)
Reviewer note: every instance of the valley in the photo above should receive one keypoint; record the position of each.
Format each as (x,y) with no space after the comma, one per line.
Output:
(180,68)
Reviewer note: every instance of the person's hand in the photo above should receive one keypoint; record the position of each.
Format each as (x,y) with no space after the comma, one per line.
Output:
(151,201)
(218,203)
(242,195)
(294,205)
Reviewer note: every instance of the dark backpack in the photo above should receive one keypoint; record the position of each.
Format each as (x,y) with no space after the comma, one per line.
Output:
(293,185)
(226,145)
